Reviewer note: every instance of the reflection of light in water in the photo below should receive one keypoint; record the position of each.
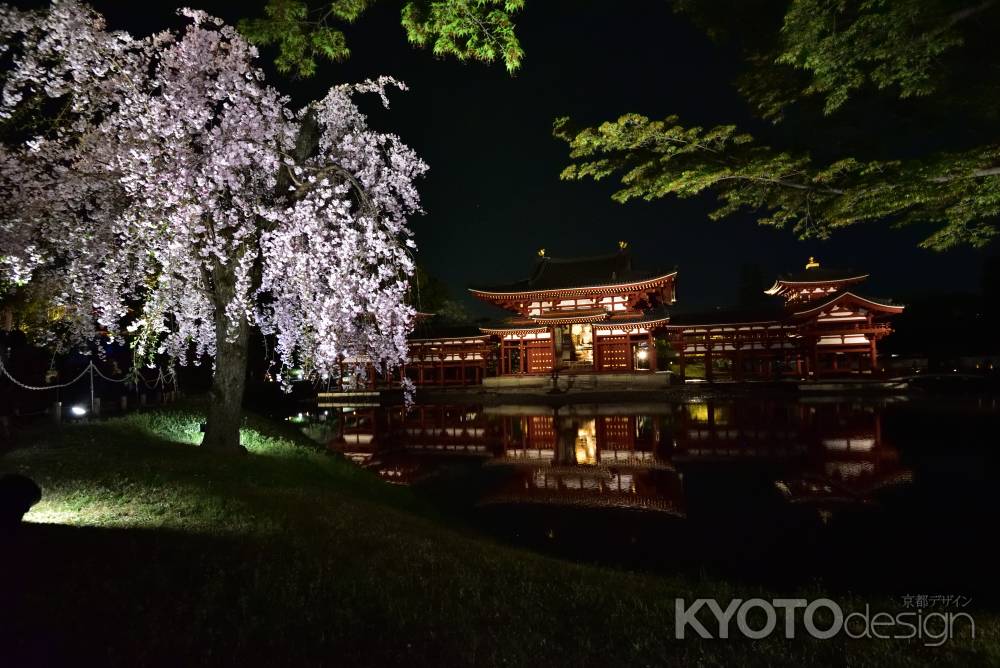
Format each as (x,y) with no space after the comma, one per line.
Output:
(623,482)
(846,470)
(861,444)
(697,412)
(626,455)
(531,453)
(586,443)
(542,481)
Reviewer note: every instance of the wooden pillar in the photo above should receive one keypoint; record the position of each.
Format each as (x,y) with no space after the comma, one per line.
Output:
(680,361)
(874,354)
(708,356)
(630,355)
(652,352)
(552,339)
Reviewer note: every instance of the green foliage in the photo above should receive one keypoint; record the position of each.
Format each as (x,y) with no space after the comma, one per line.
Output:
(845,45)
(829,59)
(429,294)
(301,35)
(31,310)
(480,30)
(841,52)
(661,158)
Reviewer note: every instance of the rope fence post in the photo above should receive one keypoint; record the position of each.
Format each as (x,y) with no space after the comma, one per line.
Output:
(91,367)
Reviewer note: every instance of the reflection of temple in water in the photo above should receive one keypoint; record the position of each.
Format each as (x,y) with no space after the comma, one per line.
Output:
(401,445)
(826,454)
(611,461)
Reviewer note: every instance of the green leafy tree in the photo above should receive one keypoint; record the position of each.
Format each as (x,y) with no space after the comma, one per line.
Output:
(868,110)
(820,71)
(305,31)
(429,294)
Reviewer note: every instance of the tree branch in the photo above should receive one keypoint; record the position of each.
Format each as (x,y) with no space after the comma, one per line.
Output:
(979,173)
(968,12)
(783,183)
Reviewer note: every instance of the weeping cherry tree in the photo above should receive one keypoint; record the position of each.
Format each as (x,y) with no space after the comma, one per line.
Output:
(157,189)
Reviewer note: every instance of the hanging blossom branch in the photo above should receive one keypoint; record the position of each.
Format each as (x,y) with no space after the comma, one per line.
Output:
(175,180)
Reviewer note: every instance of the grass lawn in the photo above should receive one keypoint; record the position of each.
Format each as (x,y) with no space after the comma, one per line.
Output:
(146,550)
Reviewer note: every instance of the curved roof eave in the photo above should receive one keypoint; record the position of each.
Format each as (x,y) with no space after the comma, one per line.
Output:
(651,282)
(892,308)
(783,281)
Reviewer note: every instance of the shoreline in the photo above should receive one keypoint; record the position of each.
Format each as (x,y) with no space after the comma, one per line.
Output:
(542,396)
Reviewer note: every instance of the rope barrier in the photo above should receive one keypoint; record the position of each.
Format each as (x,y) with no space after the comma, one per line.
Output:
(133,376)
(46,387)
(107,378)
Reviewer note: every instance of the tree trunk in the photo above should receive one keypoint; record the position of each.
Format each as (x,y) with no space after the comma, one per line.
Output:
(222,433)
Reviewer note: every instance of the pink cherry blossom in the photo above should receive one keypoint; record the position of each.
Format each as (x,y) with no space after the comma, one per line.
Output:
(154,167)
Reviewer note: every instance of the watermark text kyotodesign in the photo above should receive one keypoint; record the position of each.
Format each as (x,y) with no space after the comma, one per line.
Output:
(822,618)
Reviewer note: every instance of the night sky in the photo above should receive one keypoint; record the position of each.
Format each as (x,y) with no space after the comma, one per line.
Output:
(493,195)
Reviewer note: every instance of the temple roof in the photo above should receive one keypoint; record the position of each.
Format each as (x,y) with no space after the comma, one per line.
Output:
(813,273)
(511,325)
(550,273)
(821,274)
(880,304)
(768,310)
(428,329)
(660,314)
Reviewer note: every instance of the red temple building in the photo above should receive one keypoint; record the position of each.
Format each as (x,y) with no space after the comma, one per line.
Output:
(603,315)
(810,324)
(597,314)
(447,356)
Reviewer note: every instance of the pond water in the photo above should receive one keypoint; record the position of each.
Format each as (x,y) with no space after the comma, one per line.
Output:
(893,494)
